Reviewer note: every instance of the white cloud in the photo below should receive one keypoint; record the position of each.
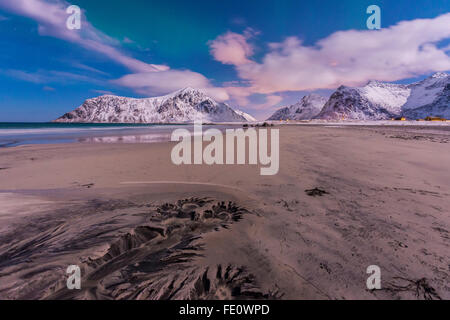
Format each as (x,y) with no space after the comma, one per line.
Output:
(102,92)
(52,16)
(160,82)
(156,83)
(127,40)
(50,76)
(26,76)
(147,78)
(88,68)
(270,101)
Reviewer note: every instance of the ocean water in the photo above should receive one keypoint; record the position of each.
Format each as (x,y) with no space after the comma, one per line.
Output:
(15,134)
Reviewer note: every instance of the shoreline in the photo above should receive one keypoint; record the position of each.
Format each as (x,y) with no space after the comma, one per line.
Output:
(151,133)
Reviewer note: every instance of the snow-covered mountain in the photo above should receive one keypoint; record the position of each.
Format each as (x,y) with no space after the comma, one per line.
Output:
(307,108)
(380,100)
(186,105)
(374,101)
(430,97)
(247,117)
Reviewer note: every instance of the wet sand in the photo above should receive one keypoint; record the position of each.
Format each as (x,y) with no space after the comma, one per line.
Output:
(140,227)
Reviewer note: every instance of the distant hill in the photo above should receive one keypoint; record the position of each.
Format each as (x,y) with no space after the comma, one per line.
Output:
(307,108)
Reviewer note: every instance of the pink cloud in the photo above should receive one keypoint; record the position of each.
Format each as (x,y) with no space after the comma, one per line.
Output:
(231,48)
(353,57)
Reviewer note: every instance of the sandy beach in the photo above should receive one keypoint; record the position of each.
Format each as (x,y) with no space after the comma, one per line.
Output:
(141,227)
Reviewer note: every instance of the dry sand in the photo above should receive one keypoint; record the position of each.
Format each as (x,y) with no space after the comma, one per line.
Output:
(142,228)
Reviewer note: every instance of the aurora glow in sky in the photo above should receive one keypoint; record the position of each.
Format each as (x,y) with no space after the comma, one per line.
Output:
(254,55)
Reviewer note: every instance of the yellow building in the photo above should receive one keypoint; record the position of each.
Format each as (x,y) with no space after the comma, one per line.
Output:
(435,119)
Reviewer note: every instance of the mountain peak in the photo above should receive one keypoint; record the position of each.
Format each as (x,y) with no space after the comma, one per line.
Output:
(312,96)
(439,75)
(374,83)
(189,90)
(381,84)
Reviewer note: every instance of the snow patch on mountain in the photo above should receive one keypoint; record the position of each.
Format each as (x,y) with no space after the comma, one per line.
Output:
(388,96)
(426,91)
(440,107)
(247,117)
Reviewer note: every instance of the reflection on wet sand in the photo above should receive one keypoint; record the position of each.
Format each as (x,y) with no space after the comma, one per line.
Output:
(144,138)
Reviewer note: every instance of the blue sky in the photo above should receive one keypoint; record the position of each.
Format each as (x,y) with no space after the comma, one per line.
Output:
(254,55)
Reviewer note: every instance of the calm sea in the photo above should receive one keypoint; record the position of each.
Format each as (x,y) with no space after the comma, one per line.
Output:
(14,134)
